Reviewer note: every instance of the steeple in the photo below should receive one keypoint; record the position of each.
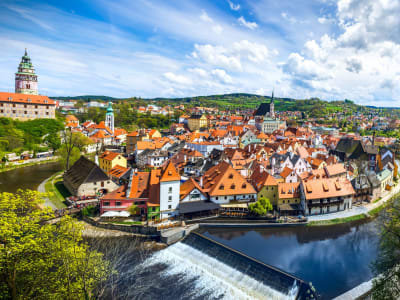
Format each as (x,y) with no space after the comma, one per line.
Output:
(272,105)
(110,117)
(25,78)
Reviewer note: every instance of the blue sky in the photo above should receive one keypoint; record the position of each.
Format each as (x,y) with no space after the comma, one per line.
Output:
(317,48)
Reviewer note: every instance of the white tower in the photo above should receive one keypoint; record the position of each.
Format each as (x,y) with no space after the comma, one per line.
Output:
(110,117)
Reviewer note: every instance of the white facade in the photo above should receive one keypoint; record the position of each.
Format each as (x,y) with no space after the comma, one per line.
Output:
(169,198)
(240,197)
(193,196)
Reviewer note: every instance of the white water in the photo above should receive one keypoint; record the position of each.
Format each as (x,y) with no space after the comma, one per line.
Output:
(212,276)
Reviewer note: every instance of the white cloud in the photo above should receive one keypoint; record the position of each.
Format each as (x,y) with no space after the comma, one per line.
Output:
(218,56)
(222,75)
(217,29)
(204,17)
(250,25)
(353,65)
(199,71)
(253,51)
(233,6)
(180,79)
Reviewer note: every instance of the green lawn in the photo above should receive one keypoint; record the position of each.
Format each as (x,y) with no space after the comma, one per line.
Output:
(336,221)
(57,190)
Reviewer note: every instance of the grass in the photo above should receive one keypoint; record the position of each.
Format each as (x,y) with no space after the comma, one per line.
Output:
(337,221)
(57,191)
(125,223)
(13,167)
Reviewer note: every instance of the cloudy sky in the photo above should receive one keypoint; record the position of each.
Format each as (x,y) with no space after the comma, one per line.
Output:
(316,48)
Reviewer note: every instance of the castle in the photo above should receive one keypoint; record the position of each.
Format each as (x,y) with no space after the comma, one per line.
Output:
(26,103)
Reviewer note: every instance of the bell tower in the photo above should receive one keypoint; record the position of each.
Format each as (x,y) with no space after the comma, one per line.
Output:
(110,117)
(272,106)
(25,78)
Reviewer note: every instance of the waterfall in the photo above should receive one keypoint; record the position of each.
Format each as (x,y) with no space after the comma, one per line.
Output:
(292,294)
(211,276)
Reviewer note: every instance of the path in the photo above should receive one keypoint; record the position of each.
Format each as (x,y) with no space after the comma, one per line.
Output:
(42,189)
(356,210)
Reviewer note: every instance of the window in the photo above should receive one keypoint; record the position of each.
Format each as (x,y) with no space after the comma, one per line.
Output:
(216,198)
(94,183)
(233,186)
(14,105)
(169,198)
(36,106)
(14,111)
(169,206)
(244,186)
(118,203)
(170,189)
(106,203)
(102,184)
(221,187)
(36,112)
(25,106)
(2,111)
(25,112)
(47,113)
(230,176)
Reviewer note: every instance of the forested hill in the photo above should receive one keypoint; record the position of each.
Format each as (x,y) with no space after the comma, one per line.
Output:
(314,107)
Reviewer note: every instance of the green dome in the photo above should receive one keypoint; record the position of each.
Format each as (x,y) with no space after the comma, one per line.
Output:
(109,108)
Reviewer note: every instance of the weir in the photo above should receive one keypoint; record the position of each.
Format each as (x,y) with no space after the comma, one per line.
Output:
(274,278)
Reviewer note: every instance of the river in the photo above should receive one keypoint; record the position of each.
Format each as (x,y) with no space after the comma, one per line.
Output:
(27,177)
(334,258)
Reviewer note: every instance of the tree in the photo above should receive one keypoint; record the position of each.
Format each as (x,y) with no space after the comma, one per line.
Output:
(261,207)
(133,209)
(39,260)
(73,144)
(387,265)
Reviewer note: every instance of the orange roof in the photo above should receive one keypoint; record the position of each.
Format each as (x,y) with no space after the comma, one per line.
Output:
(170,173)
(286,172)
(119,131)
(133,133)
(327,188)
(143,145)
(223,179)
(189,186)
(289,190)
(335,169)
(100,135)
(25,98)
(102,125)
(108,155)
(71,124)
(118,171)
(71,118)
(139,185)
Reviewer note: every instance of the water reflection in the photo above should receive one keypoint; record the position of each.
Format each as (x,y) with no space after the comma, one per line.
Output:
(334,258)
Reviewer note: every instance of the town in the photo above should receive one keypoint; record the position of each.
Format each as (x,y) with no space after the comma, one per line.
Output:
(210,162)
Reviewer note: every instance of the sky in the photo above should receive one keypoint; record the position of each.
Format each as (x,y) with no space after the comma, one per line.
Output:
(343,49)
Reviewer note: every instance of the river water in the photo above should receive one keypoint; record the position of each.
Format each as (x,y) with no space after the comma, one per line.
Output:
(334,258)
(27,177)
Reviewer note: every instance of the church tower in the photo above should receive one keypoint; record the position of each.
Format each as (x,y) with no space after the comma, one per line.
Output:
(25,78)
(110,117)
(272,106)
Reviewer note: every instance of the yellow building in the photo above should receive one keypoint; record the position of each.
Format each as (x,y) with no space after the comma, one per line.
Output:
(109,160)
(196,122)
(154,133)
(289,202)
(266,185)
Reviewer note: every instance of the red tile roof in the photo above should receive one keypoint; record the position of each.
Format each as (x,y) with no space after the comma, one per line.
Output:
(25,98)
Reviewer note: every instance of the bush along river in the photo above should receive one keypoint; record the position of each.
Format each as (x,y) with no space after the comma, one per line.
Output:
(333,258)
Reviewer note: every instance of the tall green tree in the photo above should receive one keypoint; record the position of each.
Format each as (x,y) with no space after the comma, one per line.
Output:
(261,207)
(386,286)
(39,260)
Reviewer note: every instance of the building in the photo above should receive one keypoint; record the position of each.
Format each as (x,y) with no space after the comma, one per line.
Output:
(26,81)
(266,185)
(26,106)
(197,122)
(108,160)
(265,117)
(110,117)
(86,179)
(289,202)
(326,195)
(224,184)
(169,191)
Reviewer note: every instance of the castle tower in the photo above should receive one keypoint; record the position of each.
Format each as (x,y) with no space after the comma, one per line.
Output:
(110,117)
(25,78)
(272,106)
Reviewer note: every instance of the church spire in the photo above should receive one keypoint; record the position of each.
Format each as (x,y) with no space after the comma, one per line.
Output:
(26,53)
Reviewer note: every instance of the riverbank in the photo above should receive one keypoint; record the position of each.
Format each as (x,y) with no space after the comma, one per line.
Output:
(55,198)
(30,164)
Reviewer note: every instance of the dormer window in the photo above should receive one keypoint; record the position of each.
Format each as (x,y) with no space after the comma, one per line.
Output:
(45,101)
(230,176)
(29,100)
(244,186)
(232,186)
(221,187)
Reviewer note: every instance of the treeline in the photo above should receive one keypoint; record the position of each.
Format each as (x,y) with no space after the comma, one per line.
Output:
(36,135)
